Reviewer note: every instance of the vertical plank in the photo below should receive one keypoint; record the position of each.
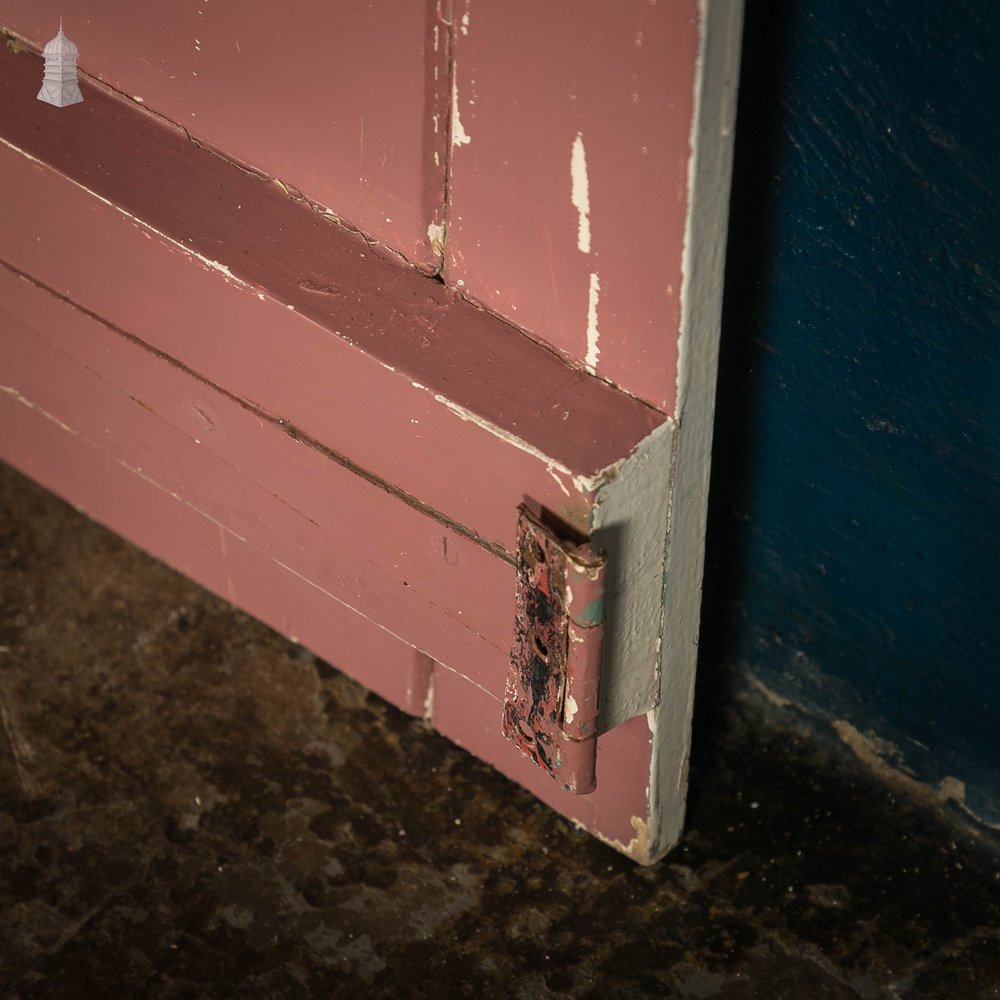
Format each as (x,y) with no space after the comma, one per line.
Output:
(215,558)
(255,494)
(568,188)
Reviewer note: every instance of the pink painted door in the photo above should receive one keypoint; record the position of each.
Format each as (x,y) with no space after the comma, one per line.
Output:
(219,336)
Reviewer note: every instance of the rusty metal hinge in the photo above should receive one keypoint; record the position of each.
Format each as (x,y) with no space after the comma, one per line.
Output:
(551,701)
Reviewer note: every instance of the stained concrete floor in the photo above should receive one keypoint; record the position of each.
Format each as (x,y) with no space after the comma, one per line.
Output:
(192,807)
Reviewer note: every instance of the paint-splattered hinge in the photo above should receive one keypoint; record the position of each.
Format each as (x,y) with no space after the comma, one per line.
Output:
(551,700)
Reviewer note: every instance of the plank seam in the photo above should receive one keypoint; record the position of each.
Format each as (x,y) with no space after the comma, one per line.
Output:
(290,429)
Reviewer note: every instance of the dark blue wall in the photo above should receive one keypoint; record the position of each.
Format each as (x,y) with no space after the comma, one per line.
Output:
(855,510)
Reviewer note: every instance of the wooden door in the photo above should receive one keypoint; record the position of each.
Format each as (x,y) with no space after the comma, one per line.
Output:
(310,309)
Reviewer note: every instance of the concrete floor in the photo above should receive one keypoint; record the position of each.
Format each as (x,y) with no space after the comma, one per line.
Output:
(192,807)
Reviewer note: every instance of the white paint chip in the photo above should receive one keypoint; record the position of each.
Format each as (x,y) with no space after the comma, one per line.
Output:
(550,469)
(459,137)
(435,233)
(593,351)
(571,708)
(580,192)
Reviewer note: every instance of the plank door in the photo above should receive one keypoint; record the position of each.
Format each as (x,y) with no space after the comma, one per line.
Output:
(315,342)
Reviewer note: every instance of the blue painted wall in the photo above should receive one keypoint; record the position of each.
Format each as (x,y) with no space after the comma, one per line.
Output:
(853,560)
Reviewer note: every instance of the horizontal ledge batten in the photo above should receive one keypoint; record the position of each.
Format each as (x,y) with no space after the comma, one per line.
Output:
(258,233)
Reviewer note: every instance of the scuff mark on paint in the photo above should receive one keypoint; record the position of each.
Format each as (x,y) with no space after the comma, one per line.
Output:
(513,439)
(429,699)
(582,482)
(593,351)
(459,137)
(552,472)
(580,192)
(317,286)
(208,262)
(450,557)
(464,27)
(24,401)
(17,149)
(21,749)
(469,680)
(230,589)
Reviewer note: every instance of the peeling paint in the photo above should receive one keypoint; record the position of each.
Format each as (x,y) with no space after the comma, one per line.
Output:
(459,137)
(593,351)
(580,192)
(435,233)
(569,709)
(638,848)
